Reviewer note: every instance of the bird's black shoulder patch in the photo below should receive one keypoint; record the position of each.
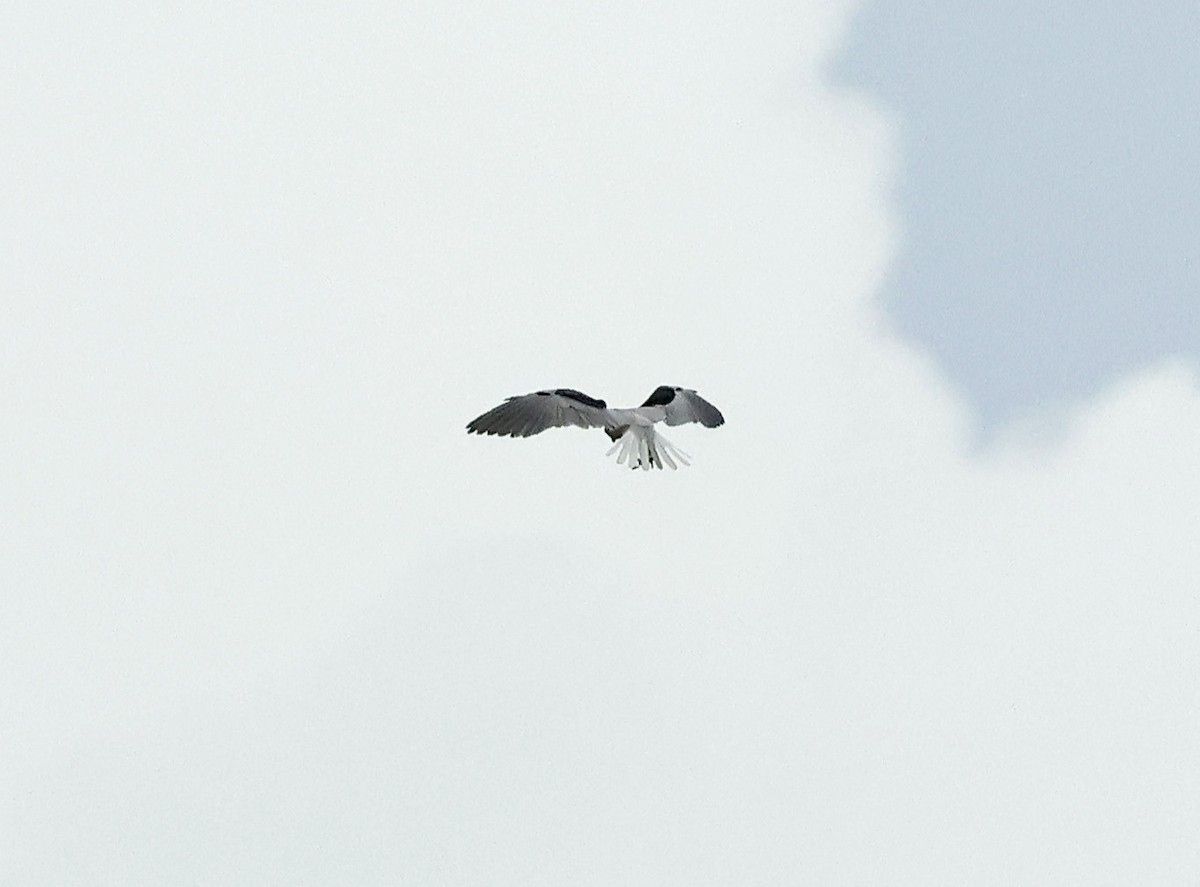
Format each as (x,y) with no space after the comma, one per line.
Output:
(662,396)
(579,396)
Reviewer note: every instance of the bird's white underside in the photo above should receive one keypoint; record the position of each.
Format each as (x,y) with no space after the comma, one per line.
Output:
(642,447)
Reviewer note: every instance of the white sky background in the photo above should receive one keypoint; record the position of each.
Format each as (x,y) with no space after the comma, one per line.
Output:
(270,616)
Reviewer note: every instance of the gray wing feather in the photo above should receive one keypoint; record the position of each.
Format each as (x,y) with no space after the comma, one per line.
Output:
(688,406)
(529,414)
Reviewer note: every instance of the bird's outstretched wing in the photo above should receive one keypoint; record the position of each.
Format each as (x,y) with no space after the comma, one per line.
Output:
(684,405)
(529,414)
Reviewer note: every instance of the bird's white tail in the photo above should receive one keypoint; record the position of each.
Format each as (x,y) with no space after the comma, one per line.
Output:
(641,447)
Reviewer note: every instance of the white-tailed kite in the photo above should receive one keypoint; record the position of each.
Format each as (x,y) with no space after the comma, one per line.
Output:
(631,430)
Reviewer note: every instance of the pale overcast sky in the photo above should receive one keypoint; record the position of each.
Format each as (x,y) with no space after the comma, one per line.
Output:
(269,616)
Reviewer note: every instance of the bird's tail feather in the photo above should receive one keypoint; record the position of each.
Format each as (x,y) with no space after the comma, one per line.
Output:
(641,447)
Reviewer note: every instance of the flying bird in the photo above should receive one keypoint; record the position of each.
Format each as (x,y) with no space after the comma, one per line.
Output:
(631,430)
